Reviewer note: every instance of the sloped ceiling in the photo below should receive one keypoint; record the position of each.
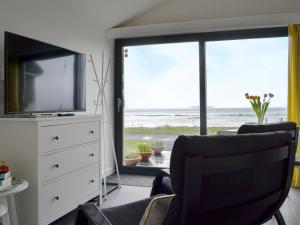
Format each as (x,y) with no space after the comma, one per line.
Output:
(188,10)
(108,13)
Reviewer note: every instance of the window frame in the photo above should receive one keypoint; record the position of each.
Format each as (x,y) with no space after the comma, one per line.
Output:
(201,38)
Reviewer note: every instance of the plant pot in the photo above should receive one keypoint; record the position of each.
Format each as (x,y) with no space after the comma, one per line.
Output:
(131,162)
(157,150)
(145,155)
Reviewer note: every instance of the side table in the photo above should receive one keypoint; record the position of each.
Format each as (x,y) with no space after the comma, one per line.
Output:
(7,199)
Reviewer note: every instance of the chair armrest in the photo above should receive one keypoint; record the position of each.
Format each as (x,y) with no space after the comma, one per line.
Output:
(165,172)
(162,183)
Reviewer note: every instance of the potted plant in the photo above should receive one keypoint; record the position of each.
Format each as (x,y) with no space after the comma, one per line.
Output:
(145,150)
(131,159)
(157,147)
(259,106)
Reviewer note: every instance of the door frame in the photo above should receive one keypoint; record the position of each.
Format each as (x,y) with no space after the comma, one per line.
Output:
(201,38)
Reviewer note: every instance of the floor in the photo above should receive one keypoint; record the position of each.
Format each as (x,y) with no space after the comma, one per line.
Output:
(126,194)
(131,180)
(123,195)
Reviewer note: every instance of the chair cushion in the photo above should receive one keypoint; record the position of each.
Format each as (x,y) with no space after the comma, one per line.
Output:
(129,214)
(157,210)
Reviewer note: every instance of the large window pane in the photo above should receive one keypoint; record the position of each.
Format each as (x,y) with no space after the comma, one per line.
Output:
(161,93)
(234,67)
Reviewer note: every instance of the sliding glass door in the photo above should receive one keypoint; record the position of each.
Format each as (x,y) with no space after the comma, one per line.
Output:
(235,67)
(161,100)
(192,84)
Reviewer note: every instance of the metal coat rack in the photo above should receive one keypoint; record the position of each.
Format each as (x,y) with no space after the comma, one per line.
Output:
(102,102)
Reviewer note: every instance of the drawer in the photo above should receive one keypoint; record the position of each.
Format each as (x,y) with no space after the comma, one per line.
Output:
(65,192)
(67,135)
(60,163)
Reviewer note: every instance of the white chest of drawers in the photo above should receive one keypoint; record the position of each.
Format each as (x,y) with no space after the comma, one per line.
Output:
(59,156)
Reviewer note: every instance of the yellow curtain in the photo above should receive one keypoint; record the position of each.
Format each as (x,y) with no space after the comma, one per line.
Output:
(294,85)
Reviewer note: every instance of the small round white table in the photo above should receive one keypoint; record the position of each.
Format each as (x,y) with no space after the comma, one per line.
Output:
(7,199)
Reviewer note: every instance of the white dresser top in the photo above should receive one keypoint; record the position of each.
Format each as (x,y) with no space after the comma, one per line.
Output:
(48,118)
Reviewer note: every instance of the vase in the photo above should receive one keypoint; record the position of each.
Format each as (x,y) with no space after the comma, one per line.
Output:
(260,120)
(157,150)
(145,156)
(131,162)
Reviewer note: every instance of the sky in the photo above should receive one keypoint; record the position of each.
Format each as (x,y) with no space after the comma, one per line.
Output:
(167,75)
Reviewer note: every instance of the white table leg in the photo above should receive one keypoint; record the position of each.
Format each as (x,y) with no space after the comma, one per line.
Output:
(5,218)
(12,210)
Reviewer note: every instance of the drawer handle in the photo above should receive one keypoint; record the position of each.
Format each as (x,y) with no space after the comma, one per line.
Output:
(56,166)
(56,198)
(92,181)
(92,154)
(55,138)
(91,132)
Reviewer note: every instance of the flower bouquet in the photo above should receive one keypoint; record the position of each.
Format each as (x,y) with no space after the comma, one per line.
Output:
(259,106)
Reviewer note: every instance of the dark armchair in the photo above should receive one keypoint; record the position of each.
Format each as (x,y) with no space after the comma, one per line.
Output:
(217,180)
(162,183)
(284,126)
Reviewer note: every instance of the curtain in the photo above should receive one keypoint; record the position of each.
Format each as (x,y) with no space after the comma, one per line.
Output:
(294,85)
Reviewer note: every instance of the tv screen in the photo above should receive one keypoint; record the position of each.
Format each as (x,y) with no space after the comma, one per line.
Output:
(41,77)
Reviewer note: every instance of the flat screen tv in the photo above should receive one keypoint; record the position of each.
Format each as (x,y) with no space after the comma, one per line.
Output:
(42,78)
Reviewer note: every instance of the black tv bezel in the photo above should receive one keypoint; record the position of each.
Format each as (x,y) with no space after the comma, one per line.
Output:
(6,34)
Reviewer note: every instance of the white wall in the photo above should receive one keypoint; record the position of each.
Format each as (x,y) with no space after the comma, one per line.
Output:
(47,22)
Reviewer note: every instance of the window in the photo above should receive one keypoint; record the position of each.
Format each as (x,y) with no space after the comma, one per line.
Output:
(192,84)
(236,67)
(161,98)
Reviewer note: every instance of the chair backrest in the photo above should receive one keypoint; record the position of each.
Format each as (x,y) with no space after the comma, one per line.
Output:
(237,179)
(283,126)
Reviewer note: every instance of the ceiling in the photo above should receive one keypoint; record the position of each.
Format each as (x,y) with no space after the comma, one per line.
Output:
(106,14)
(189,10)
(109,13)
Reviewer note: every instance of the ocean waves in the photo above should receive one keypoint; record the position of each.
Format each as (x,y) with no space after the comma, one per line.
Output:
(216,117)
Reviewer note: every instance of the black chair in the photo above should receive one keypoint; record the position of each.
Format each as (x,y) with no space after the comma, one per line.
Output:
(283,126)
(218,180)
(162,183)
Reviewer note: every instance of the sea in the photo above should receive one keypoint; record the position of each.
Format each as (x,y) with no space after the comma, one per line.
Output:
(216,117)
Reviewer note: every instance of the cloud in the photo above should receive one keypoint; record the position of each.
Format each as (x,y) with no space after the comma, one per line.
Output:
(167,75)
